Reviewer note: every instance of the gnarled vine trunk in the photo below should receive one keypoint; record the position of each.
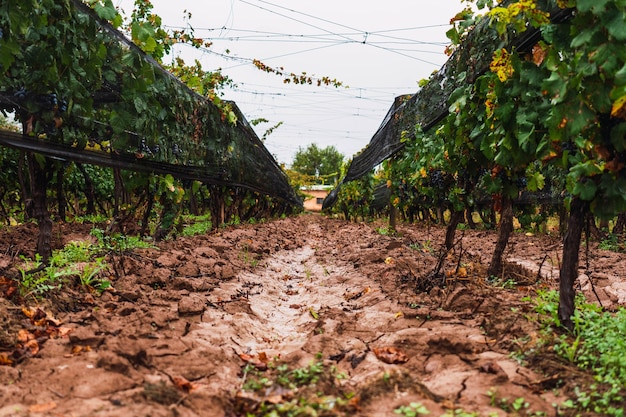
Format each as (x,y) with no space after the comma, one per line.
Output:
(90,190)
(506,227)
(569,265)
(39,178)
(455,219)
(61,198)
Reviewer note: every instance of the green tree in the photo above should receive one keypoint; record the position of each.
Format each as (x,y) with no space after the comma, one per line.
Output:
(323,164)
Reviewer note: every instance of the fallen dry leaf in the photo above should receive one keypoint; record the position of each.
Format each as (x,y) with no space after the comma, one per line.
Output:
(24,336)
(42,408)
(32,346)
(5,360)
(78,349)
(258,364)
(390,355)
(182,384)
(63,331)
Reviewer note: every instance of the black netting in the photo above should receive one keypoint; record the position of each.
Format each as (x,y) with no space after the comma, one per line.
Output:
(429,105)
(135,114)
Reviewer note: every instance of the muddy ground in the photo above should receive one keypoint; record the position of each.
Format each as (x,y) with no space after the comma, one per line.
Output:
(190,324)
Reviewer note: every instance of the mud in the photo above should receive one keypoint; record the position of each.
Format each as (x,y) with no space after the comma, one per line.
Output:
(184,321)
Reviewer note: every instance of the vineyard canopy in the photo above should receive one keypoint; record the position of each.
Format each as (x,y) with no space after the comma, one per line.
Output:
(426,108)
(84,92)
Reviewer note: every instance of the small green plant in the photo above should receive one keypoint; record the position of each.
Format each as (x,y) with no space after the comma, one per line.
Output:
(91,218)
(504,283)
(82,262)
(612,242)
(117,243)
(385,231)
(248,257)
(425,246)
(597,343)
(307,387)
(459,412)
(200,226)
(411,410)
(35,284)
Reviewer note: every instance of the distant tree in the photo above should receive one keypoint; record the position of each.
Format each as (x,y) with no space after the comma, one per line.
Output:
(323,164)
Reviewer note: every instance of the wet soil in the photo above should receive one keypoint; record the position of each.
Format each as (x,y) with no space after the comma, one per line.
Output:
(187,322)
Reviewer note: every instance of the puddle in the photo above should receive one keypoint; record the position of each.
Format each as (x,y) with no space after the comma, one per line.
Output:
(274,308)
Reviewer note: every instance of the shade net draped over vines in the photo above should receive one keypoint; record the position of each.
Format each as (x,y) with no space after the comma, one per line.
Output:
(121,108)
(426,108)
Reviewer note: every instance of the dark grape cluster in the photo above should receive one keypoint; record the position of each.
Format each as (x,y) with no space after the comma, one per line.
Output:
(45,102)
(568,146)
(521,182)
(20,94)
(436,178)
(176,150)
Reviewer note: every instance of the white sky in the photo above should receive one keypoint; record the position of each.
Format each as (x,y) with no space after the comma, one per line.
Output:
(380,49)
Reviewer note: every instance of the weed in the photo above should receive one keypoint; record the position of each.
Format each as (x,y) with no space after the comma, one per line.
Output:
(118,243)
(36,284)
(82,262)
(411,410)
(247,257)
(198,228)
(462,413)
(613,243)
(307,389)
(426,247)
(91,218)
(385,231)
(503,283)
(598,343)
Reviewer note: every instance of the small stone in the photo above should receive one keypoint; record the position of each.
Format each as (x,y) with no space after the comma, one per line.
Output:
(191,305)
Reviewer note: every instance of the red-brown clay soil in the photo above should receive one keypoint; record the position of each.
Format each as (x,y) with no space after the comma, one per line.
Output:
(173,336)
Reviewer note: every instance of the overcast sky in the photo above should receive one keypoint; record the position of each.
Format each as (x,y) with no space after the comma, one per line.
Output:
(380,49)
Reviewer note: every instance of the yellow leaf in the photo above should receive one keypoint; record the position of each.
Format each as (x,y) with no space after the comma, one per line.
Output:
(398,314)
(313,313)
(619,108)
(42,408)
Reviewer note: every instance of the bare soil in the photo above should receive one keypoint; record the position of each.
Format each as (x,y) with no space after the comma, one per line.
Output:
(186,322)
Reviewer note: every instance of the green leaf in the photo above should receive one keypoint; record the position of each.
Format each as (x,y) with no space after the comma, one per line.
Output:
(596,6)
(140,104)
(149,45)
(9,51)
(453,35)
(618,133)
(620,76)
(617,26)
(536,181)
(106,11)
(585,189)
(525,131)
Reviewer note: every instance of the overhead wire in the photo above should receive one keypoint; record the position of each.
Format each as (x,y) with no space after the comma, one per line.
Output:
(329,101)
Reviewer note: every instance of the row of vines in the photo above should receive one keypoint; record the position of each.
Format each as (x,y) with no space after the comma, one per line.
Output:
(540,133)
(69,79)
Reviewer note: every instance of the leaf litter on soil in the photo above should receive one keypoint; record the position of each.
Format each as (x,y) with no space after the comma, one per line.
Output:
(239,321)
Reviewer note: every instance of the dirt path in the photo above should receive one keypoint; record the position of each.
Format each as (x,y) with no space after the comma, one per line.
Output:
(192,323)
